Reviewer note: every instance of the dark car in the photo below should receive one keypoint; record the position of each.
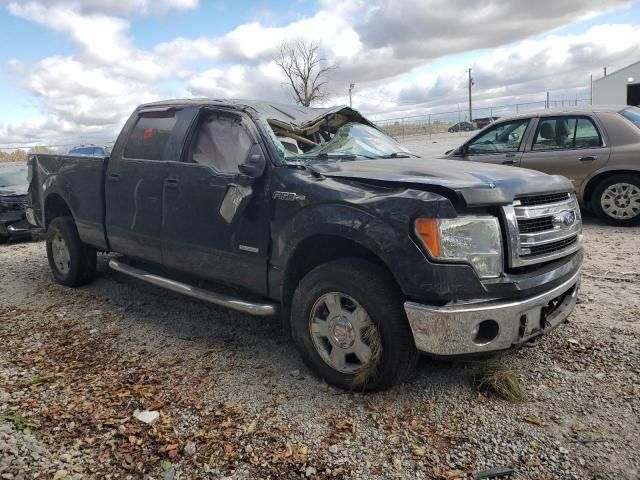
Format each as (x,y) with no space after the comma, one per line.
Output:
(13,200)
(91,151)
(371,254)
(482,122)
(461,127)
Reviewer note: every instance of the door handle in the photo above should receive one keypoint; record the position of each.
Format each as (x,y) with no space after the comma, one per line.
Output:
(589,158)
(171,183)
(114,177)
(508,161)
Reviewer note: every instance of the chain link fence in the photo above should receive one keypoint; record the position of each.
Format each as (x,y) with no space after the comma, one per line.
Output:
(427,125)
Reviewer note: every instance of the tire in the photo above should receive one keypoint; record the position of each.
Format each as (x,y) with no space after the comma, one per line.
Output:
(616,200)
(72,262)
(356,286)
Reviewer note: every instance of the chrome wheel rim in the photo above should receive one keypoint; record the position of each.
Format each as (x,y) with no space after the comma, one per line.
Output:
(60,254)
(338,326)
(621,201)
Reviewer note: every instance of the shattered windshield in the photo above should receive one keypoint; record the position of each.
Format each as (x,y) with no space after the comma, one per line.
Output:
(350,140)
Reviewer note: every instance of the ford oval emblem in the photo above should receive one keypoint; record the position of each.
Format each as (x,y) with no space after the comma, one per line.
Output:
(567,218)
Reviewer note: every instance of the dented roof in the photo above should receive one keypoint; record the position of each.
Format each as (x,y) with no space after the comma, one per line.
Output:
(296,116)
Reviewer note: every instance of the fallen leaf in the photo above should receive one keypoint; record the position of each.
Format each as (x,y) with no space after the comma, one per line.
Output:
(535,421)
(455,474)
(579,427)
(250,428)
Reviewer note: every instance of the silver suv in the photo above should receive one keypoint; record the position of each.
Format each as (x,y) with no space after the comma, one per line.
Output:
(597,148)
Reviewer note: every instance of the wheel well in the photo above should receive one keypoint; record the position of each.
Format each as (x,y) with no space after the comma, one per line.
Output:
(54,207)
(321,249)
(593,183)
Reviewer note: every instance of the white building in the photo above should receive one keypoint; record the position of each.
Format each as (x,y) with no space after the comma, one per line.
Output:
(618,88)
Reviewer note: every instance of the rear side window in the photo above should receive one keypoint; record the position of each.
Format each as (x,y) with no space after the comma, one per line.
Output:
(150,136)
(587,135)
(633,114)
(561,133)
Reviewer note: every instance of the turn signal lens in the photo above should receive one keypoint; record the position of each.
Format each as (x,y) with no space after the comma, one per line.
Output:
(427,230)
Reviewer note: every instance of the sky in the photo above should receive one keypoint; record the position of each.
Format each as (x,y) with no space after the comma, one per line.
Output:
(72,71)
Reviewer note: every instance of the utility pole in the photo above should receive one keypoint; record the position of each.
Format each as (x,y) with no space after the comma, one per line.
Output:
(605,71)
(351,86)
(547,102)
(591,89)
(470,85)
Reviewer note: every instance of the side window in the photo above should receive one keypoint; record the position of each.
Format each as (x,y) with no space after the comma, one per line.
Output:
(222,143)
(587,135)
(556,133)
(502,138)
(150,136)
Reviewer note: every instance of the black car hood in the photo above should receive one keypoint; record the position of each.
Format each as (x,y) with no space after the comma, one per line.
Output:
(477,183)
(14,190)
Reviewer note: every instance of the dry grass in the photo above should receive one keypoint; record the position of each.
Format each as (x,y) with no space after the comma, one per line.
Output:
(371,337)
(502,381)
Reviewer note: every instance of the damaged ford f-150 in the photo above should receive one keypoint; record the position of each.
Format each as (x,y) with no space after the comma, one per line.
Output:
(371,254)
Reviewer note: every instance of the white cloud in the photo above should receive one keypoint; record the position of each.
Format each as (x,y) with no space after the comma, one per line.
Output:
(384,47)
(119,7)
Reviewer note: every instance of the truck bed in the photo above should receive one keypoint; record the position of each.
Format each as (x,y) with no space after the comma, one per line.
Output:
(79,182)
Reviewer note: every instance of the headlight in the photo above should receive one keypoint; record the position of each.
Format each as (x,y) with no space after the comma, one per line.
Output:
(475,240)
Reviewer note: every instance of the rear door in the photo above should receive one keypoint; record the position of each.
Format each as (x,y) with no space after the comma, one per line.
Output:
(502,143)
(569,145)
(135,181)
(196,238)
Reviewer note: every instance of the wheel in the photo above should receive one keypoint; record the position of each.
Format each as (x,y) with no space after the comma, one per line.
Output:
(617,200)
(348,322)
(72,262)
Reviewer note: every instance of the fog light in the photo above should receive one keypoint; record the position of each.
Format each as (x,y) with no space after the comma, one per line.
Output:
(486,332)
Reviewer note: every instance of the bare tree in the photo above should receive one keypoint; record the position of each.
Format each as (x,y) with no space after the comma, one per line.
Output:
(305,69)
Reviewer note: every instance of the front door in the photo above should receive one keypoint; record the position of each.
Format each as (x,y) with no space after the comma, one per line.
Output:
(196,239)
(501,143)
(571,146)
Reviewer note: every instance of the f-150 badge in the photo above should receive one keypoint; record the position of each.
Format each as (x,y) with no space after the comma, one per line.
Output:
(288,196)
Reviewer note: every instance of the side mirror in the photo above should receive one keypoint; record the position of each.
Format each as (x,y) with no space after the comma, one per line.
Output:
(462,150)
(254,164)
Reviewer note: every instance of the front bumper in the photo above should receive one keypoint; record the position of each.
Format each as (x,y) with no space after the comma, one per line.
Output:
(489,326)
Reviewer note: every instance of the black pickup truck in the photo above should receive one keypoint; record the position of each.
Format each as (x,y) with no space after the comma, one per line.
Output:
(370,254)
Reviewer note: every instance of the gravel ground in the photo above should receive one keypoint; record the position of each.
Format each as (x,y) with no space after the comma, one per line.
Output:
(236,402)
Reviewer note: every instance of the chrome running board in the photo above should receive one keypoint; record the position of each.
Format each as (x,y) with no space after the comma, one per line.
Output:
(262,309)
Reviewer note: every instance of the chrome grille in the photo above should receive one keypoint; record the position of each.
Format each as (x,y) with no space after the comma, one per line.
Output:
(531,200)
(542,227)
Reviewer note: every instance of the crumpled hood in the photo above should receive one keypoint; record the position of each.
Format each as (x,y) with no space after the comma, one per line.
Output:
(477,183)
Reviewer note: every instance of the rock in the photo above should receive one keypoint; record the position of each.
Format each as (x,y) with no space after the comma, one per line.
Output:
(169,474)
(310,471)
(59,475)
(147,416)
(333,449)
(189,449)
(296,374)
(248,449)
